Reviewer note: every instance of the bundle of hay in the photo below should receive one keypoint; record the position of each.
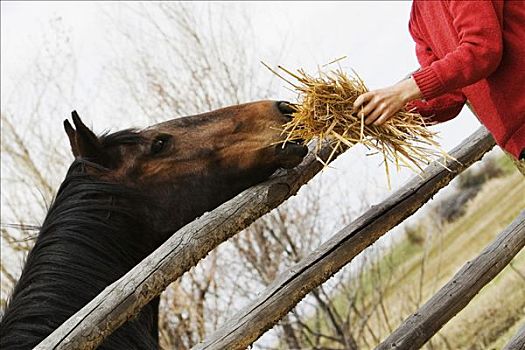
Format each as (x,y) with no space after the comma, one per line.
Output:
(325,112)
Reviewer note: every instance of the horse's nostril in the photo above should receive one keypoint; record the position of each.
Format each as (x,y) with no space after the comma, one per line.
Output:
(286,108)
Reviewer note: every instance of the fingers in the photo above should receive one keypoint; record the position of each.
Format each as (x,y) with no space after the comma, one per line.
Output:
(378,106)
(375,112)
(370,107)
(371,111)
(384,117)
(362,99)
(367,106)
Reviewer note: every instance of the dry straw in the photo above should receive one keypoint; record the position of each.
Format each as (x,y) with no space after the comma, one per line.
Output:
(325,112)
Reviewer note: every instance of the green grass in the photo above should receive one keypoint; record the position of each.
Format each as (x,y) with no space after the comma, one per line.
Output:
(506,164)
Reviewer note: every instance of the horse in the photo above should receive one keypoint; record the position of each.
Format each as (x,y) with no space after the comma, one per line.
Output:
(124,194)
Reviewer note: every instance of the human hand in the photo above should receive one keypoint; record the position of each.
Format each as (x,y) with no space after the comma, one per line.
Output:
(380,105)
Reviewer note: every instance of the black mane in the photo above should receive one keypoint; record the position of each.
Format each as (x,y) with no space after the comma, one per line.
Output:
(123,137)
(91,236)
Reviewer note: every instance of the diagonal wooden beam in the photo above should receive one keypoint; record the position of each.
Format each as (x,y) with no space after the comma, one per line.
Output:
(292,285)
(418,328)
(123,299)
(518,340)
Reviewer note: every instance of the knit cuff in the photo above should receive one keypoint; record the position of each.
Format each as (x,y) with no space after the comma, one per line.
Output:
(428,83)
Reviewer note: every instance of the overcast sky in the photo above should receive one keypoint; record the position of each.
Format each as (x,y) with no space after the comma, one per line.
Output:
(373,35)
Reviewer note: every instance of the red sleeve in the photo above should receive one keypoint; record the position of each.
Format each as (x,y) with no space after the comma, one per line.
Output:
(444,107)
(440,109)
(477,55)
(424,53)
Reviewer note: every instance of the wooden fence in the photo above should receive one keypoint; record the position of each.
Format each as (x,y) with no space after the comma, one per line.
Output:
(292,285)
(125,297)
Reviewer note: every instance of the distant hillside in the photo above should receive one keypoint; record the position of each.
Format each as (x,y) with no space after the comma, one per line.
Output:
(413,269)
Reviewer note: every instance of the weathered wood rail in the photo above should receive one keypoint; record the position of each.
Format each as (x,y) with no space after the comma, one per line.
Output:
(417,329)
(123,299)
(292,285)
(517,342)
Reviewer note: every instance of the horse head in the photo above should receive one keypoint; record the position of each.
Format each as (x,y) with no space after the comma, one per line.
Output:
(187,166)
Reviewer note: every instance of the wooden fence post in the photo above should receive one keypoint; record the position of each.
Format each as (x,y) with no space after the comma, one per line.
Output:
(124,298)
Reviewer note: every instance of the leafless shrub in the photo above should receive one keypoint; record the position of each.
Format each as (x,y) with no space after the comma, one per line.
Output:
(475,177)
(183,59)
(31,158)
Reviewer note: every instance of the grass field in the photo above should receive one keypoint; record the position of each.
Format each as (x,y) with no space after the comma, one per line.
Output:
(401,280)
(485,322)
(495,314)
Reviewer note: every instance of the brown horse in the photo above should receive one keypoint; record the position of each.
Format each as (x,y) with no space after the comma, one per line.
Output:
(123,196)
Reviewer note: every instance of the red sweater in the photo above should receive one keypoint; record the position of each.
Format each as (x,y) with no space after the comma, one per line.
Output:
(473,50)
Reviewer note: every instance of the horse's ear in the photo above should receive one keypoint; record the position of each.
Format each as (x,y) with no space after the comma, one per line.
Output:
(84,143)
(71,134)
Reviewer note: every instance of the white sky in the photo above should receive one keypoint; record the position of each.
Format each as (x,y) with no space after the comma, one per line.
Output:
(373,35)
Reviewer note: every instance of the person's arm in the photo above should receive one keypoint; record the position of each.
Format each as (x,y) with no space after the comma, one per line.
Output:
(406,94)
(379,105)
(478,54)
(444,107)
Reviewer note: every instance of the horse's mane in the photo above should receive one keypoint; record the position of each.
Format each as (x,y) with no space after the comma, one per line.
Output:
(90,237)
(123,137)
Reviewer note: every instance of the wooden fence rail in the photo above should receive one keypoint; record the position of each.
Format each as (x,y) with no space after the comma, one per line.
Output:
(292,285)
(518,340)
(417,329)
(124,298)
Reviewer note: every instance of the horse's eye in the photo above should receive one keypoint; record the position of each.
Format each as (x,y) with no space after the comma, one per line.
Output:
(159,144)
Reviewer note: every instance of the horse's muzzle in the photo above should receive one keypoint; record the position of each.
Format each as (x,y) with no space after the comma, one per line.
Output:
(291,154)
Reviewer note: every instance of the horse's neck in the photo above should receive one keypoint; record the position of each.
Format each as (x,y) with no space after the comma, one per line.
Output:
(81,249)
